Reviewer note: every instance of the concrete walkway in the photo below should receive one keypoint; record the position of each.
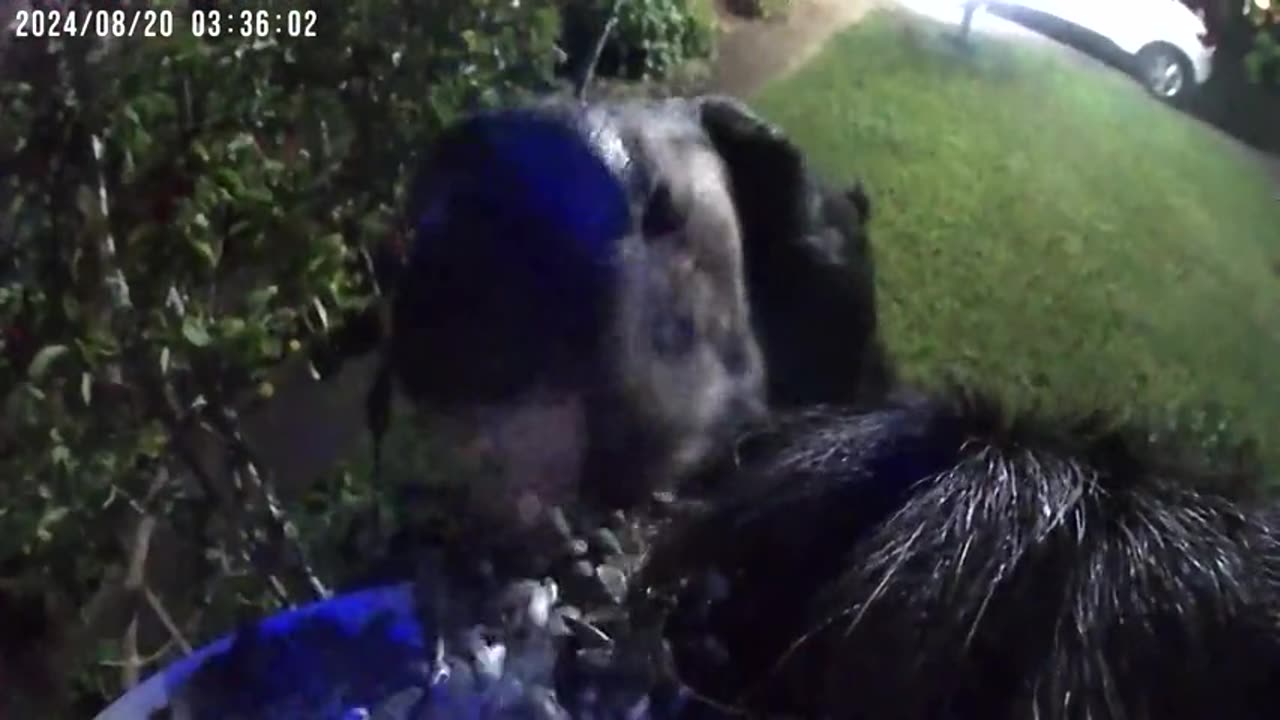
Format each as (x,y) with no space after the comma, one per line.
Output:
(750,53)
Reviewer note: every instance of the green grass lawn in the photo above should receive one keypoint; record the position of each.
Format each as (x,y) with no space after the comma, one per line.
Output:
(1044,226)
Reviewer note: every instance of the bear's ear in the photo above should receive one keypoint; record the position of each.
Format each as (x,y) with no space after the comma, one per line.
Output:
(767,174)
(779,198)
(809,266)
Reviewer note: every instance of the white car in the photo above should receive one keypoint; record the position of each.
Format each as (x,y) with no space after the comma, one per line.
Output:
(1166,44)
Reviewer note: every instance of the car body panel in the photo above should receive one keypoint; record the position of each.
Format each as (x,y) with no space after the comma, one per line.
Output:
(1133,25)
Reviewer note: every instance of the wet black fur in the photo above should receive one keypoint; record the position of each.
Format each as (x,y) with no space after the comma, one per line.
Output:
(810,270)
(941,559)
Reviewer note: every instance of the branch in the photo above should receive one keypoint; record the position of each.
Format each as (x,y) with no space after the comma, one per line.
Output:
(131,664)
(142,660)
(166,619)
(114,281)
(114,284)
(214,492)
(282,528)
(179,425)
(588,73)
(134,581)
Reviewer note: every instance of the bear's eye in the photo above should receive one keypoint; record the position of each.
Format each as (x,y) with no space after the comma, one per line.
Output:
(660,214)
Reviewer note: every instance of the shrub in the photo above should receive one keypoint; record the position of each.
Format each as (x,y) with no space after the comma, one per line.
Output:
(178,215)
(1263,61)
(651,39)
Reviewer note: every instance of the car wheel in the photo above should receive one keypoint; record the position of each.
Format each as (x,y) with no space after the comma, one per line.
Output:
(1165,72)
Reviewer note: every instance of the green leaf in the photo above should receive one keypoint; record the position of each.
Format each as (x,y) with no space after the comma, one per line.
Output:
(229,179)
(86,388)
(205,250)
(44,358)
(152,440)
(60,455)
(233,327)
(240,142)
(195,332)
(51,517)
(165,360)
(259,298)
(270,346)
(258,195)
